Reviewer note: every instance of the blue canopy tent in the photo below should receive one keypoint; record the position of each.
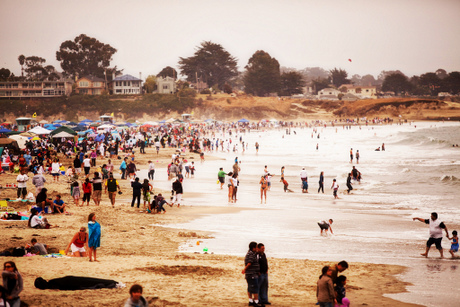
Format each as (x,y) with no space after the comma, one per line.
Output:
(50,127)
(4,130)
(243,120)
(79,128)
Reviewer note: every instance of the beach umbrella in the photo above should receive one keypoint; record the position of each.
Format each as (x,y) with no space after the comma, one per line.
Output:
(92,135)
(79,128)
(4,130)
(36,138)
(100,137)
(20,139)
(27,134)
(243,120)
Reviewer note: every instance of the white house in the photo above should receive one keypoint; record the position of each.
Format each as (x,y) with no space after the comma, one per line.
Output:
(328,93)
(166,85)
(126,84)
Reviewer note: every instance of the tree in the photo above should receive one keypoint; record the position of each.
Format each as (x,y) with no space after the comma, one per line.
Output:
(5,73)
(319,83)
(367,80)
(211,63)
(431,82)
(85,56)
(339,77)
(168,71)
(291,83)
(262,74)
(397,83)
(452,82)
(150,84)
(22,60)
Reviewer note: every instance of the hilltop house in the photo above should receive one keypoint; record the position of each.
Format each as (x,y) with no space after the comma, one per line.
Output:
(166,85)
(35,88)
(329,93)
(90,85)
(126,84)
(363,92)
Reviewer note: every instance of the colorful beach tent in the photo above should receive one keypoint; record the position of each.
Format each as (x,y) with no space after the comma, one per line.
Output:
(39,130)
(4,130)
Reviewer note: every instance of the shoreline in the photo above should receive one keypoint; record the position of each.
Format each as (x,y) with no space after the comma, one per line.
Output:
(133,251)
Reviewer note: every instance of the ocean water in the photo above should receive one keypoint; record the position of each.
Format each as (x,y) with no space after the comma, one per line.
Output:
(419,172)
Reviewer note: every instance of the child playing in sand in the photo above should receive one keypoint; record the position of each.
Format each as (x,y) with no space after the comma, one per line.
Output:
(335,186)
(454,246)
(325,226)
(136,298)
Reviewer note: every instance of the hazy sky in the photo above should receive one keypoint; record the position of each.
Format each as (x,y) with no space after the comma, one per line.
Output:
(414,36)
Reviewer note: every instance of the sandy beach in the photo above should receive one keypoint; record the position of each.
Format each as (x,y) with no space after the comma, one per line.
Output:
(134,251)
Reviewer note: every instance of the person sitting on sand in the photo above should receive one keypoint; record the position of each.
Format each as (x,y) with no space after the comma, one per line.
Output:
(36,222)
(59,205)
(43,201)
(136,299)
(38,248)
(77,244)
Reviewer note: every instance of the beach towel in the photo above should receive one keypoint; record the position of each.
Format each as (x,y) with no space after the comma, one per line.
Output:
(94,230)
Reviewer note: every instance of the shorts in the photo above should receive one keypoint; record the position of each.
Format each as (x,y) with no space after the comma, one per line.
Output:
(55,174)
(86,197)
(97,195)
(87,170)
(253,284)
(75,248)
(187,169)
(78,170)
(146,197)
(335,192)
(221,179)
(323,226)
(435,241)
(269,184)
(112,194)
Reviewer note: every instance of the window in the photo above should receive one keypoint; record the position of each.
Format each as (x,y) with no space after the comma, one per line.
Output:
(166,86)
(118,91)
(83,84)
(97,84)
(48,92)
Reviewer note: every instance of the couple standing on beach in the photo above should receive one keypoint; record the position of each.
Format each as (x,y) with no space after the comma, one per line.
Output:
(256,274)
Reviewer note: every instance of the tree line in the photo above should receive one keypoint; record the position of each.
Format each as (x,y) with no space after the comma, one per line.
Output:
(215,66)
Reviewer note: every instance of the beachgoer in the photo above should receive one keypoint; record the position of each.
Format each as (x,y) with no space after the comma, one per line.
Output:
(38,180)
(303,174)
(137,187)
(325,226)
(178,191)
(13,283)
(111,186)
(94,238)
(97,188)
(22,179)
(356,174)
(86,165)
(43,201)
(454,245)
(221,177)
(286,185)
(77,164)
(338,268)
(325,293)
(123,167)
(55,169)
(351,155)
(236,168)
(36,222)
(192,169)
(257,147)
(357,157)
(321,182)
(136,299)
(235,187)
(131,169)
(340,292)
(230,187)
(87,190)
(77,243)
(76,193)
(59,205)
(251,271)
(263,277)
(147,189)
(151,170)
(263,188)
(383,146)
(349,185)
(436,227)
(38,248)
(335,187)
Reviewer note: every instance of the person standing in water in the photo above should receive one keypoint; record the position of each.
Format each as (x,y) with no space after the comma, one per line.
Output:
(351,155)
(436,227)
(321,182)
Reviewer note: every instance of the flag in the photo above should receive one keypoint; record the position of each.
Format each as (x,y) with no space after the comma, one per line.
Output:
(111,114)
(35,115)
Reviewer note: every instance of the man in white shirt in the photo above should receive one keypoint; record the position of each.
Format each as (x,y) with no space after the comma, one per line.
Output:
(22,184)
(436,227)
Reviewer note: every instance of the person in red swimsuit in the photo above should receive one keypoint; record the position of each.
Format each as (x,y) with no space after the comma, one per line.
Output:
(77,244)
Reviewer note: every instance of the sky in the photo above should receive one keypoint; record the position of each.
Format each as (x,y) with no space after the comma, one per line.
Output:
(413,36)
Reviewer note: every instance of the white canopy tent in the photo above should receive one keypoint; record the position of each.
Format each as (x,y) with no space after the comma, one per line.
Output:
(62,134)
(39,130)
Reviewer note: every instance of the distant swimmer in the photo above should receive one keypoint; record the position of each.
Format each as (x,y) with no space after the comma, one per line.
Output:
(257,147)
(436,227)
(383,146)
(377,149)
(325,226)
